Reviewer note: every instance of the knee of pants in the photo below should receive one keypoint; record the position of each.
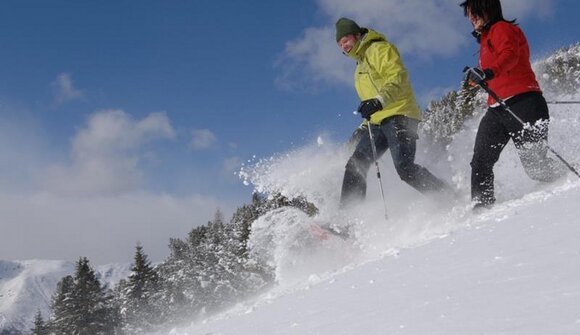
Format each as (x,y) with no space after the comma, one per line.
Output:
(358,163)
(406,171)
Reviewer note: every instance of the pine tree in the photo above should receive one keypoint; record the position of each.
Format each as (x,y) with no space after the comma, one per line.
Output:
(62,308)
(210,268)
(213,260)
(444,118)
(82,306)
(243,218)
(229,275)
(89,299)
(181,279)
(143,279)
(139,307)
(559,74)
(40,327)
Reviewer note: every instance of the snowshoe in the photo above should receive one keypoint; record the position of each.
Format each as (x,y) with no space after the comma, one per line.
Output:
(325,231)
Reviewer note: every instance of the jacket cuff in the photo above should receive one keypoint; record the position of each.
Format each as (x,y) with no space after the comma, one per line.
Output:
(381,99)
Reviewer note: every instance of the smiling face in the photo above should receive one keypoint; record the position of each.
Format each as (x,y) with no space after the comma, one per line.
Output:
(346,43)
(477,21)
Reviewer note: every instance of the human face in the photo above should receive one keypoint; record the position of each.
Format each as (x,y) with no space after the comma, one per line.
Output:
(346,43)
(477,21)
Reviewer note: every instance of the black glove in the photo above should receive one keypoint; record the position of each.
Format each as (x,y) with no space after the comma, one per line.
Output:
(369,107)
(475,76)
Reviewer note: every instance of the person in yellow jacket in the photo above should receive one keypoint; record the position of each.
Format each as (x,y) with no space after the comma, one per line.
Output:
(389,108)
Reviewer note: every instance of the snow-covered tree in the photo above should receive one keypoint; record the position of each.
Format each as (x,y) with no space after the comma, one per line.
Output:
(208,270)
(93,313)
(243,218)
(40,327)
(181,277)
(139,308)
(82,305)
(62,307)
(444,118)
(559,74)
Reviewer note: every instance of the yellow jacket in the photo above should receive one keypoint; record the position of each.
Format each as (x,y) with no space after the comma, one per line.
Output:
(380,73)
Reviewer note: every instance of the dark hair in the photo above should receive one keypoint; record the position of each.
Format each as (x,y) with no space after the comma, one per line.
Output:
(490,9)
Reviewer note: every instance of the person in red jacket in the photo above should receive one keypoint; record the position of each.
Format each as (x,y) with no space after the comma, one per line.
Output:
(504,65)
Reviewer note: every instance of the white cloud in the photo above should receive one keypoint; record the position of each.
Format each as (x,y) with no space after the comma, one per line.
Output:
(314,57)
(420,29)
(106,154)
(202,139)
(64,89)
(104,229)
(94,206)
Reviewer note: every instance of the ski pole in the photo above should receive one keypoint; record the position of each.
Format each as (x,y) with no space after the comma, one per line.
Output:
(374,149)
(505,107)
(562,102)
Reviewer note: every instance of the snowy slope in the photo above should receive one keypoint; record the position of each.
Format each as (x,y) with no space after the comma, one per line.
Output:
(27,287)
(512,270)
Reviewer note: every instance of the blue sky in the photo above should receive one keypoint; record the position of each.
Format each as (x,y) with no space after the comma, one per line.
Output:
(129,105)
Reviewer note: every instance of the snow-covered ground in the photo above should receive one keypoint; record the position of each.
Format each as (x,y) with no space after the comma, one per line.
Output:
(512,270)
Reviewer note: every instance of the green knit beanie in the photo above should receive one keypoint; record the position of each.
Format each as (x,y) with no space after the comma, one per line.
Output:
(345,27)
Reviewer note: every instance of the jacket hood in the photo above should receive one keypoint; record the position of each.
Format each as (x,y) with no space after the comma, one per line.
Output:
(367,39)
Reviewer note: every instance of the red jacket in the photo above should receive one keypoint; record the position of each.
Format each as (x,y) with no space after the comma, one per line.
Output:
(504,49)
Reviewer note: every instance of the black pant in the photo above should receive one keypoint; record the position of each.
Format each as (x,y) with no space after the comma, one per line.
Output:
(398,133)
(496,129)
